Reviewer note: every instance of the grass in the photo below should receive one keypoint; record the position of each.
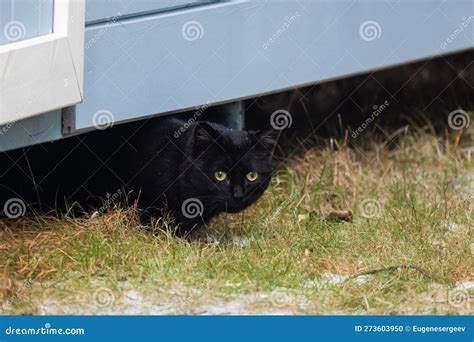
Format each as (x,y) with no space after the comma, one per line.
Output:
(411,229)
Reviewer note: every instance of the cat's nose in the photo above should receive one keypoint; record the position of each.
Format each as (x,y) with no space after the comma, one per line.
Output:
(238,192)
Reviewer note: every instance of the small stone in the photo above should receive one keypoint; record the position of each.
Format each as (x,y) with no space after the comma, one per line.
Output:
(242,242)
(438,243)
(334,278)
(467,284)
(452,227)
(363,279)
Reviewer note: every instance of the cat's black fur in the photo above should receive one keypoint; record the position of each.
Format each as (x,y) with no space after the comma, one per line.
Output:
(183,171)
(164,163)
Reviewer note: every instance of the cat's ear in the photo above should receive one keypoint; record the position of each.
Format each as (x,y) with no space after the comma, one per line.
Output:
(204,135)
(267,138)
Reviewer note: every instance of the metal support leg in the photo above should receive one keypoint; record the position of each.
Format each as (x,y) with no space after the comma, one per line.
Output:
(235,115)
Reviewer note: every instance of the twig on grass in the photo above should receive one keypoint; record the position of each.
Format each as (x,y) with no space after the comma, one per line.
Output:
(393,268)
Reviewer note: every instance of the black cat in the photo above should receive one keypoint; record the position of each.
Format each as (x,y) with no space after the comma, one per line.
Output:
(192,172)
(197,174)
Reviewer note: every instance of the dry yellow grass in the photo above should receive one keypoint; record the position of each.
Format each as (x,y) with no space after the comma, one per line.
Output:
(412,227)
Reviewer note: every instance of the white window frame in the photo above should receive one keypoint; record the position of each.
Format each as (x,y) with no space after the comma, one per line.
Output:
(44,73)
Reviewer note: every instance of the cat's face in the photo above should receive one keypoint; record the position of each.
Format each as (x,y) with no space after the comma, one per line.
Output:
(229,169)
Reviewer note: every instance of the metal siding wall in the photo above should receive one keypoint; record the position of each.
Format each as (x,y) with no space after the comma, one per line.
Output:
(141,66)
(24,19)
(144,66)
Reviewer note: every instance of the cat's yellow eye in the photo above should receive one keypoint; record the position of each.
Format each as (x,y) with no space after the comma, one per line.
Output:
(252,176)
(220,175)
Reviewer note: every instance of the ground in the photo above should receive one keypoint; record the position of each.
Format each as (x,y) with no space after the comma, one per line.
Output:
(364,229)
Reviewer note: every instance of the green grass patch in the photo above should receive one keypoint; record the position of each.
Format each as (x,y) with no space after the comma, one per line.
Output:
(411,226)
